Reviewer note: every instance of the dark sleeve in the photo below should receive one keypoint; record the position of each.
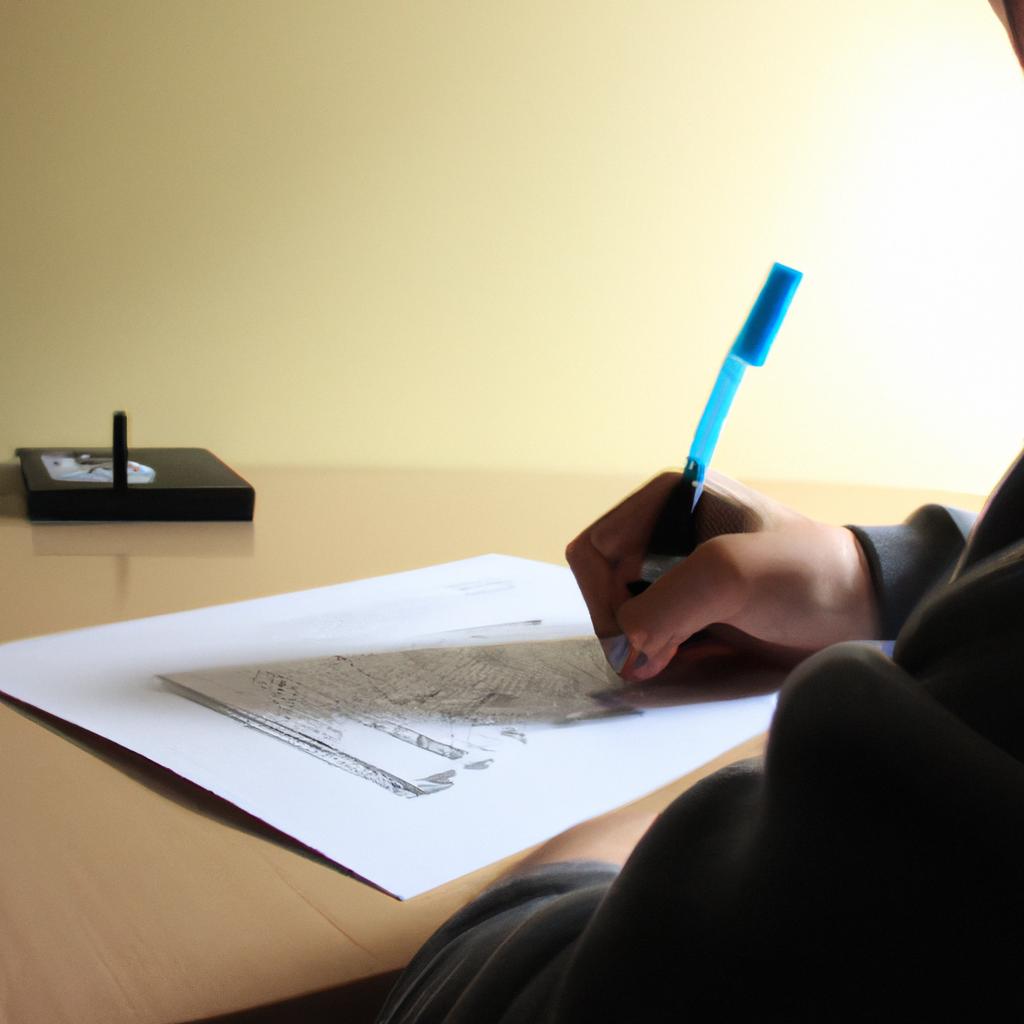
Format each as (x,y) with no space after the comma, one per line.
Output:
(876,858)
(500,958)
(909,560)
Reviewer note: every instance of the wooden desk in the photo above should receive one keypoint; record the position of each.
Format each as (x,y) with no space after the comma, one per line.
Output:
(126,895)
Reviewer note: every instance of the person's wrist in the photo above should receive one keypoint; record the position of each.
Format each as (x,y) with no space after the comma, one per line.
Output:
(862,602)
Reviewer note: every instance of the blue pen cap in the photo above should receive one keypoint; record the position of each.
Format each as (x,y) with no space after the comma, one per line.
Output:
(758,333)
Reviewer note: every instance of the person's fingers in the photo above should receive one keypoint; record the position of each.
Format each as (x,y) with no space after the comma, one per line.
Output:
(708,587)
(595,577)
(609,553)
(623,532)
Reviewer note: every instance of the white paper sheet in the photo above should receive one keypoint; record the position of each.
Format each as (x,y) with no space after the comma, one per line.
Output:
(107,680)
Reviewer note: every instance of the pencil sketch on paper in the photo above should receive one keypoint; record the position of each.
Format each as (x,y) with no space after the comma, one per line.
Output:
(411,721)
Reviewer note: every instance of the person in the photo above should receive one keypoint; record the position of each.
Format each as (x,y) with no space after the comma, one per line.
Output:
(872,866)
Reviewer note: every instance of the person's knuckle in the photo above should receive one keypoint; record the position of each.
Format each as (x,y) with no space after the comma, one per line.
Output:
(729,566)
(574,549)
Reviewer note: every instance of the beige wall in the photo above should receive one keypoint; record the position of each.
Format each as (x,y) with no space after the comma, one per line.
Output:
(514,233)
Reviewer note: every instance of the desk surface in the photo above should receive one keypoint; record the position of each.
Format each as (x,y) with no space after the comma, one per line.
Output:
(127,895)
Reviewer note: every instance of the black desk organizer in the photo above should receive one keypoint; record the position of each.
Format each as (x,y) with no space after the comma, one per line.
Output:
(190,484)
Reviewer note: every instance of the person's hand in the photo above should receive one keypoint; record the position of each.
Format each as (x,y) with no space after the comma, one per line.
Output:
(761,574)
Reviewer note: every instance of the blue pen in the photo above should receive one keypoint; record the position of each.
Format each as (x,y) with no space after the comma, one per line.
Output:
(749,349)
(672,537)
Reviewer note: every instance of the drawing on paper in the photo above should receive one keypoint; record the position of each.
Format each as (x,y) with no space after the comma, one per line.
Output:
(411,721)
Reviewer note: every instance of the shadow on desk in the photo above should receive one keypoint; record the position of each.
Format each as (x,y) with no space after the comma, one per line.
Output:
(355,1003)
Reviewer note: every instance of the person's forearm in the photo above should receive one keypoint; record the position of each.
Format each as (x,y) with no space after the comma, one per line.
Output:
(609,838)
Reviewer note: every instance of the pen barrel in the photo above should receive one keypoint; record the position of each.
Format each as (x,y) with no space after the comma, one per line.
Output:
(120,451)
(716,410)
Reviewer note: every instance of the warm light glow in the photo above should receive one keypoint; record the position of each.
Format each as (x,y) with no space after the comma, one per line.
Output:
(517,235)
